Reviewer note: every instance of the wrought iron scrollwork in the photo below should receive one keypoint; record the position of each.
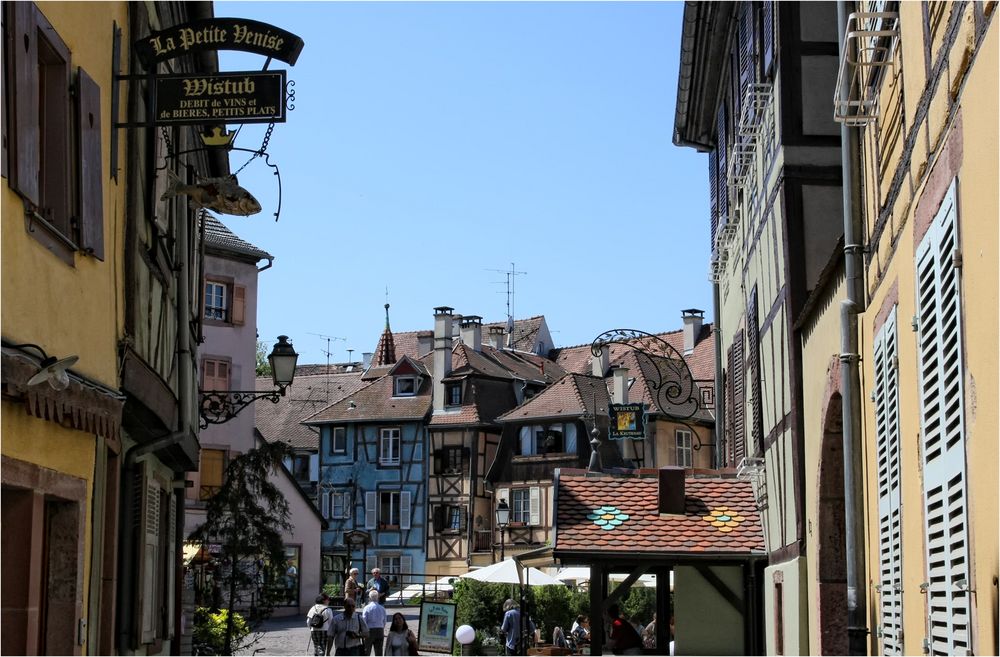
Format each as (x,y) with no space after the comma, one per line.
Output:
(221,406)
(290,95)
(675,391)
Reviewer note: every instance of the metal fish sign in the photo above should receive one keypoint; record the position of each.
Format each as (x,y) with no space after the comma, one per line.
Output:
(224,195)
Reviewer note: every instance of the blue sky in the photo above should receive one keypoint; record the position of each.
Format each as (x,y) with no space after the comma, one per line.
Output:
(434,142)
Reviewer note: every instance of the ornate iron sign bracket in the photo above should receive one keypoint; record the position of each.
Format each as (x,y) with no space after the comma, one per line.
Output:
(221,406)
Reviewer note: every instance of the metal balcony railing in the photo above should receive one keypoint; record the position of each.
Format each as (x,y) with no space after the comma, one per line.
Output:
(871,43)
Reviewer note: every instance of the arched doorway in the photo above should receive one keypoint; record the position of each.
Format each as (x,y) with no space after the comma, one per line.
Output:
(832,564)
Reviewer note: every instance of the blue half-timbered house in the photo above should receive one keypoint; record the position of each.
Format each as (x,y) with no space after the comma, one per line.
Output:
(372,479)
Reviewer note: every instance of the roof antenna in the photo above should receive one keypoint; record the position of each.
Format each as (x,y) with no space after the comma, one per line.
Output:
(328,353)
(511,274)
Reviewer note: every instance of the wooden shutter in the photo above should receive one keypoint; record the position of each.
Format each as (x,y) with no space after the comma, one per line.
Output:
(713,196)
(239,309)
(324,502)
(405,567)
(943,433)
(889,500)
(535,506)
(170,593)
(371,509)
(438,461)
(730,430)
(25,123)
(739,400)
(722,146)
(150,561)
(767,37)
(404,509)
(747,43)
(753,366)
(88,134)
(439,513)
(463,519)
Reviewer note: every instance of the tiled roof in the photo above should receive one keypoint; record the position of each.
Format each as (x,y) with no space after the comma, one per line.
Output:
(374,402)
(332,368)
(720,515)
(220,238)
(573,395)
(525,330)
(308,393)
(385,350)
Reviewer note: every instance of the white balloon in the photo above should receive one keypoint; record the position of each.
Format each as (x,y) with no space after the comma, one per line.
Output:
(465,634)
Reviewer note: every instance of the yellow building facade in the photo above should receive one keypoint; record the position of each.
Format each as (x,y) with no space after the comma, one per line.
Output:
(62,296)
(928,335)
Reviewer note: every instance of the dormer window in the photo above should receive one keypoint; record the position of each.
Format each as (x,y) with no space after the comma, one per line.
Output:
(454,394)
(405,386)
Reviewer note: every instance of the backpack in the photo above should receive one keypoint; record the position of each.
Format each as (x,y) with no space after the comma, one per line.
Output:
(316,620)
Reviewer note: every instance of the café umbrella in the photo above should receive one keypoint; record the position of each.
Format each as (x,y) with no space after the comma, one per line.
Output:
(508,572)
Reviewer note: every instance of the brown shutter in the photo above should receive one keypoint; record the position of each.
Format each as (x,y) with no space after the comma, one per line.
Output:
(25,119)
(88,117)
(721,152)
(730,376)
(207,374)
(439,512)
(239,311)
(753,340)
(739,400)
(7,16)
(713,196)
(222,375)
(767,37)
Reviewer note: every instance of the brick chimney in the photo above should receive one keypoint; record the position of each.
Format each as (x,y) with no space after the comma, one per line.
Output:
(472,332)
(599,364)
(619,386)
(692,328)
(496,336)
(671,490)
(442,353)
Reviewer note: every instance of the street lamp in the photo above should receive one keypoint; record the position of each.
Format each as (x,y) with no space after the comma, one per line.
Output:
(503,519)
(221,406)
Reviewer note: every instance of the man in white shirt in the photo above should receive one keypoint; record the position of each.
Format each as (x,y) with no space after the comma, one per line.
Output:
(374,616)
(319,619)
(348,630)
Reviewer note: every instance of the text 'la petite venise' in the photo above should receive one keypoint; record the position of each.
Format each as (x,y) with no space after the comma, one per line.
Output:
(216,36)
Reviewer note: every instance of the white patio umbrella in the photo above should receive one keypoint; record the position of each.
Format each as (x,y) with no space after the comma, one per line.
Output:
(506,572)
(442,585)
(582,574)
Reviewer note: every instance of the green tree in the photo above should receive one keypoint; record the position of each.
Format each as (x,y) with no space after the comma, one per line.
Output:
(246,518)
(263,365)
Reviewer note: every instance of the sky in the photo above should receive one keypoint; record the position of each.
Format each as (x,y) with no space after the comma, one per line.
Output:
(433,145)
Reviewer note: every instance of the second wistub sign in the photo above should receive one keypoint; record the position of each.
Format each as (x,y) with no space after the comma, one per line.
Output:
(233,97)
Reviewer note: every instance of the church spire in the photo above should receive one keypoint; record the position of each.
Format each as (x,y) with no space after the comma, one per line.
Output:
(385,352)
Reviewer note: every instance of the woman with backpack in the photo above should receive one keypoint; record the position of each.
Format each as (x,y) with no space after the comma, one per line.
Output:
(318,620)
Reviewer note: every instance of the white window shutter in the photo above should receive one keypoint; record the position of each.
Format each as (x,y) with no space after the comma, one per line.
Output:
(406,566)
(943,433)
(889,500)
(151,559)
(404,509)
(314,467)
(325,504)
(171,559)
(535,506)
(371,508)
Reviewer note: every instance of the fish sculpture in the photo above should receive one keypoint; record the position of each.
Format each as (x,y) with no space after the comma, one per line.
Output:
(224,195)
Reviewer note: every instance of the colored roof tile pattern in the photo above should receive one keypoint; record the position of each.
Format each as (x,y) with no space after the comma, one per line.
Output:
(219,238)
(635,495)
(374,402)
(308,394)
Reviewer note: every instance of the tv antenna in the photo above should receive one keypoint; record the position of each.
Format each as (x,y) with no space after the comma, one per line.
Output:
(328,352)
(511,274)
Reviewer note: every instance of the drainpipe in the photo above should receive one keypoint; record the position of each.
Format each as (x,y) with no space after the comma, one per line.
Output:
(857,630)
(128,601)
(720,395)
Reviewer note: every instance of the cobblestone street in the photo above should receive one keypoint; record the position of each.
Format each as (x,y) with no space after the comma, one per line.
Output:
(289,636)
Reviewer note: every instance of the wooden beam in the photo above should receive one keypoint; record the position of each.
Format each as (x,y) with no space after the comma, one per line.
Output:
(598,586)
(723,590)
(624,587)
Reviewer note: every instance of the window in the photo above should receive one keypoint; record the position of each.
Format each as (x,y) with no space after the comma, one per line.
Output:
(520,507)
(405,386)
(449,519)
(449,460)
(214,374)
(395,568)
(338,440)
(454,394)
(225,302)
(215,301)
(300,467)
(54,144)
(549,439)
(387,509)
(213,468)
(684,455)
(337,504)
(389,447)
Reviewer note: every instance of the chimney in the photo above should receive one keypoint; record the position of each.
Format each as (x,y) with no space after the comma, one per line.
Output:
(472,331)
(692,328)
(425,343)
(619,388)
(442,353)
(456,326)
(496,337)
(367,359)
(599,364)
(671,490)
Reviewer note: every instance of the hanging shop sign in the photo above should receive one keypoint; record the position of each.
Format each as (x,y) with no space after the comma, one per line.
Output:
(220,34)
(627,421)
(235,97)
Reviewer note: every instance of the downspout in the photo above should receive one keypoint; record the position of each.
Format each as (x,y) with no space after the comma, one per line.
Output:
(128,602)
(857,630)
(720,396)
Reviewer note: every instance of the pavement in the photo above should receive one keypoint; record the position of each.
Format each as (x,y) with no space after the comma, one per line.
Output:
(290,636)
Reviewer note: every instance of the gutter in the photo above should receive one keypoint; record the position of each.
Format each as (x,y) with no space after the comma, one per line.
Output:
(857,630)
